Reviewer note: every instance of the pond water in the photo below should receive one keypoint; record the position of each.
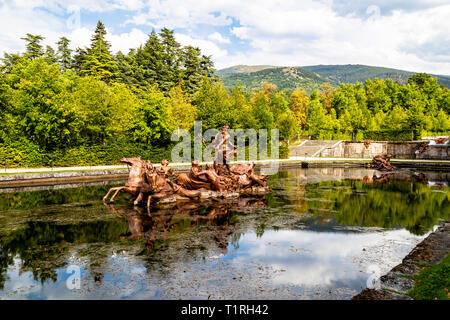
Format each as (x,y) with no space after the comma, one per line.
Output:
(319,234)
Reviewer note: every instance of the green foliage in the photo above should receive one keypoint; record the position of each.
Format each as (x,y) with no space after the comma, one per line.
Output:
(284,78)
(89,107)
(150,120)
(360,204)
(162,60)
(309,78)
(98,61)
(64,53)
(353,73)
(38,104)
(33,47)
(213,105)
(433,282)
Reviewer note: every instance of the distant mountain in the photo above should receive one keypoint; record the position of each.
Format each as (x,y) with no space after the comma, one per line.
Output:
(244,69)
(283,77)
(352,73)
(311,77)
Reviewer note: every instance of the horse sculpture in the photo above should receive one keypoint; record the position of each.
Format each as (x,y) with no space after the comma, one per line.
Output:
(136,178)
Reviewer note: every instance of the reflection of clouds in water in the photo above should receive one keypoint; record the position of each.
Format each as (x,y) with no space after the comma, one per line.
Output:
(306,260)
(20,282)
(302,257)
(21,285)
(123,275)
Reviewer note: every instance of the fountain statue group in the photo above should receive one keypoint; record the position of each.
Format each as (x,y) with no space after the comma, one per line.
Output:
(382,162)
(217,180)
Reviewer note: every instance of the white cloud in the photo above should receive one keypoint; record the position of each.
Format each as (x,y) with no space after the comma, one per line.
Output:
(125,41)
(411,36)
(16,23)
(217,37)
(207,47)
(181,14)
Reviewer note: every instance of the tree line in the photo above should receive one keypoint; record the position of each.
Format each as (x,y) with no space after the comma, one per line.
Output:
(90,106)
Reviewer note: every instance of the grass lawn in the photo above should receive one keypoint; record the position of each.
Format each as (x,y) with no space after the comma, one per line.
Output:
(433,282)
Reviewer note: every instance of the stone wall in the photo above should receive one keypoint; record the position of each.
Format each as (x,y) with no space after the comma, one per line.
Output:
(398,150)
(435,152)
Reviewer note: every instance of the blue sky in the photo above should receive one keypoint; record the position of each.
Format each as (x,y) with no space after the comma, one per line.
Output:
(411,35)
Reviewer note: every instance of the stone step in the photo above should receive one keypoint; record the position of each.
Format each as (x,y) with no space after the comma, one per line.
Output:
(310,147)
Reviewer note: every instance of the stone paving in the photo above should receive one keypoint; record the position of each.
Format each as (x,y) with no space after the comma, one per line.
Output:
(291,159)
(396,283)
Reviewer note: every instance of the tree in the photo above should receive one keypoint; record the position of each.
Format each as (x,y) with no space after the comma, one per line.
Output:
(39,105)
(213,105)
(441,123)
(64,53)
(125,65)
(278,104)
(261,112)
(170,74)
(9,61)
(377,98)
(416,118)
(180,110)
(326,93)
(419,79)
(193,70)
(286,124)
(162,60)
(241,108)
(354,118)
(98,61)
(316,118)
(148,62)
(33,47)
(50,55)
(151,123)
(298,102)
(91,98)
(78,60)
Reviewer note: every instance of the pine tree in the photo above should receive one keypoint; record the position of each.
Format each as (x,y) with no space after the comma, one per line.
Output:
(9,62)
(78,60)
(193,72)
(171,55)
(34,48)
(99,62)
(148,62)
(64,53)
(125,65)
(162,61)
(50,55)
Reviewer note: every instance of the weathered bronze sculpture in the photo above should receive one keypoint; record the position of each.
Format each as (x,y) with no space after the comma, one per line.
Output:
(135,178)
(217,180)
(382,162)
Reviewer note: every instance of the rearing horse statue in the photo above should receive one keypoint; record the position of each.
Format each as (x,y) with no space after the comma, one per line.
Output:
(135,180)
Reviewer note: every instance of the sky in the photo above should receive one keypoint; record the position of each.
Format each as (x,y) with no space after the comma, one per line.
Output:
(411,35)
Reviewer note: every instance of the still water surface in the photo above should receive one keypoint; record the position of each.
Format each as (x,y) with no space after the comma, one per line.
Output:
(319,234)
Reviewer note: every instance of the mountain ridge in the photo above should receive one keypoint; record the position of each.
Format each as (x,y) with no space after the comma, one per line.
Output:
(311,77)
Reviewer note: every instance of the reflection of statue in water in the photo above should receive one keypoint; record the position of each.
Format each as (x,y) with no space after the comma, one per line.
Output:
(422,178)
(135,218)
(384,178)
(159,225)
